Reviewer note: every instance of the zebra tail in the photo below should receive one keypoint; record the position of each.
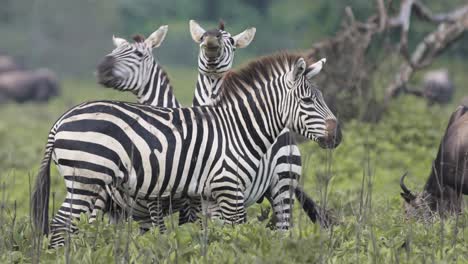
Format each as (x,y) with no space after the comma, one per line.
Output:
(309,206)
(41,193)
(325,218)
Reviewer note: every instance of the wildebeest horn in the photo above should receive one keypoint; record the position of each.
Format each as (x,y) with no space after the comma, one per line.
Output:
(406,192)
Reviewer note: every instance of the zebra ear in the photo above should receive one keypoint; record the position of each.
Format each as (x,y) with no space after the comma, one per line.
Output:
(315,68)
(299,68)
(118,41)
(243,39)
(196,31)
(157,37)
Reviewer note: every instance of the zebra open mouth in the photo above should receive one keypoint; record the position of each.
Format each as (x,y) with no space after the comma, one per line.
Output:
(212,52)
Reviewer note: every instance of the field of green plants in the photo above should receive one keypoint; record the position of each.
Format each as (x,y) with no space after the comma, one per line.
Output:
(358,181)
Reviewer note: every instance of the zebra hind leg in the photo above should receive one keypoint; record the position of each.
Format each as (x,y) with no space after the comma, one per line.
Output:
(282,200)
(70,210)
(101,205)
(231,203)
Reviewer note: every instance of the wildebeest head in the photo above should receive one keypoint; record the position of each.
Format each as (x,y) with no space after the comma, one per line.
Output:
(416,205)
(129,65)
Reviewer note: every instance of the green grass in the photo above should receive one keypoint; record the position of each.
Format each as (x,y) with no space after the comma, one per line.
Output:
(359,180)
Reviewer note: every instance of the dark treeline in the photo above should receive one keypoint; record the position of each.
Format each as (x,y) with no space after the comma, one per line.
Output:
(71,36)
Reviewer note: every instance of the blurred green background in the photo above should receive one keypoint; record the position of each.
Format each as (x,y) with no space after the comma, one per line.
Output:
(359,179)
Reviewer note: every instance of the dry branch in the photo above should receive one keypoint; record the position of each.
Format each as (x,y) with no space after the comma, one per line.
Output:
(352,63)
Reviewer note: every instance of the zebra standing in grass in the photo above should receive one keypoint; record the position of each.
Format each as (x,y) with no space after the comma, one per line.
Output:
(145,150)
(144,77)
(282,162)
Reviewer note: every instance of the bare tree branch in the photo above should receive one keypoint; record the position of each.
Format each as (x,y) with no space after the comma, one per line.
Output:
(427,50)
(424,13)
(383,17)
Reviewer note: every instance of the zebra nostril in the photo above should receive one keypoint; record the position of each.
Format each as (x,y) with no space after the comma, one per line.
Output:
(333,134)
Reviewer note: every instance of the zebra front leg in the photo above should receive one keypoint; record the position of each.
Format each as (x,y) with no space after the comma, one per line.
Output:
(281,197)
(230,200)
(156,214)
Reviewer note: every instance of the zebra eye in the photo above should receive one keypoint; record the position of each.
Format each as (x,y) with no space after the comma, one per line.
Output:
(307,100)
(232,41)
(138,53)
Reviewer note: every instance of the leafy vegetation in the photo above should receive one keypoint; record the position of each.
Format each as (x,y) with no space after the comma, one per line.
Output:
(358,180)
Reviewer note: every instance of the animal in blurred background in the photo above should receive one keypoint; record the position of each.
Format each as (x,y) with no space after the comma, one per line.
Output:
(8,64)
(436,87)
(33,85)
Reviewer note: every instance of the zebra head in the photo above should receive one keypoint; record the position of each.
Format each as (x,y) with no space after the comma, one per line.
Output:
(310,115)
(128,67)
(217,47)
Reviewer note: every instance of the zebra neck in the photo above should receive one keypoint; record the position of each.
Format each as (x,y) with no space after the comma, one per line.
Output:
(253,122)
(207,90)
(158,90)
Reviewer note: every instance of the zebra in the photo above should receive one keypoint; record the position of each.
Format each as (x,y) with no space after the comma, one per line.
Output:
(151,152)
(283,159)
(144,77)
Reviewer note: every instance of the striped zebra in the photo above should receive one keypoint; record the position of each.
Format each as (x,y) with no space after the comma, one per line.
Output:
(143,76)
(155,154)
(282,162)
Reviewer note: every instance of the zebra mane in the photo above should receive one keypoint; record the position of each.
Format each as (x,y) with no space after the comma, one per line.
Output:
(139,38)
(221,24)
(263,66)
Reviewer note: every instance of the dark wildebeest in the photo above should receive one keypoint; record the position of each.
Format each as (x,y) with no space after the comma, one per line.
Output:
(448,181)
(22,86)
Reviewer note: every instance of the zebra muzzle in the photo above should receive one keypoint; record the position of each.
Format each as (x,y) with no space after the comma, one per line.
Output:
(211,47)
(105,71)
(333,135)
